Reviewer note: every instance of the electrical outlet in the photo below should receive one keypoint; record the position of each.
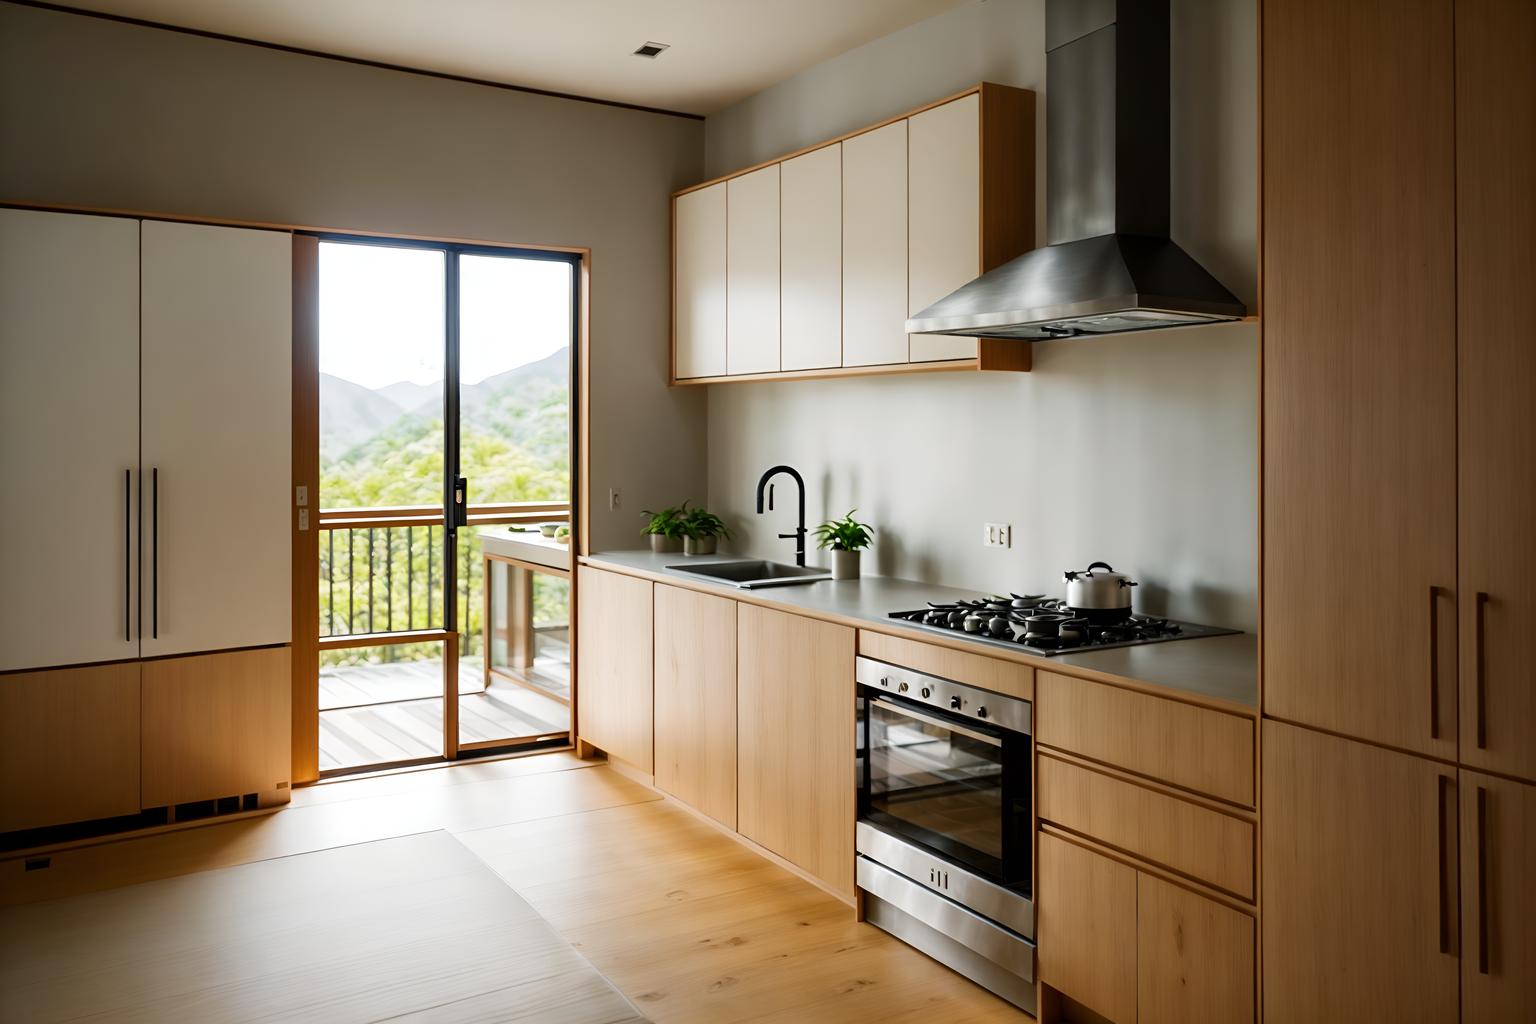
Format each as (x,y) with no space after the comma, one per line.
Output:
(996,535)
(613,499)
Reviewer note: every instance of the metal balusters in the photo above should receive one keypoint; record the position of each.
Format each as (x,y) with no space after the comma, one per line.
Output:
(389,579)
(410,579)
(351,587)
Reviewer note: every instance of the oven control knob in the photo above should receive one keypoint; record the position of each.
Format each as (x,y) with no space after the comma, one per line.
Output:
(981,712)
(927,692)
(955,702)
(902,687)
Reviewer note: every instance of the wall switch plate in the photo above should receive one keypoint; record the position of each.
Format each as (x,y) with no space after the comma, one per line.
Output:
(996,535)
(301,496)
(303,519)
(613,499)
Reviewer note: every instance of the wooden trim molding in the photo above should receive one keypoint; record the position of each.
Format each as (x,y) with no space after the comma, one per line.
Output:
(305,702)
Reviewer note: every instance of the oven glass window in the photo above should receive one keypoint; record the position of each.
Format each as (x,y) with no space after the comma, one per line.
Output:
(952,788)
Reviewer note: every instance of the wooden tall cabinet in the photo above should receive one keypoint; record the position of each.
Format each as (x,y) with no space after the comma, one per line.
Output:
(794,713)
(69,439)
(1498,900)
(1496,363)
(695,703)
(1359,627)
(613,652)
(1359,875)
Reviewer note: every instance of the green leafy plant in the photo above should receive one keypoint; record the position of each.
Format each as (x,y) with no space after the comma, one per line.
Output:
(669,522)
(845,534)
(701,523)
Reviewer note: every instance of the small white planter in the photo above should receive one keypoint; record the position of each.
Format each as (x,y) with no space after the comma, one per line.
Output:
(845,564)
(699,545)
(665,545)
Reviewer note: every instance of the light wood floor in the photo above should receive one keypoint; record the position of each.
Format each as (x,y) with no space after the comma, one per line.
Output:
(687,923)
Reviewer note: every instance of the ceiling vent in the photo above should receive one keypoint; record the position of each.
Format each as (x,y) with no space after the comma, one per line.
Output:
(651,50)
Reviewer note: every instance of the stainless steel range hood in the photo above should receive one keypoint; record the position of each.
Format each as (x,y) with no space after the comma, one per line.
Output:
(1111,266)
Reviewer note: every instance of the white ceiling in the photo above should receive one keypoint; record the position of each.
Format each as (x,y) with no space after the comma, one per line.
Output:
(721,50)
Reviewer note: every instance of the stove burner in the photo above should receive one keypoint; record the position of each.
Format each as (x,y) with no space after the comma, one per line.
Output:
(1057,629)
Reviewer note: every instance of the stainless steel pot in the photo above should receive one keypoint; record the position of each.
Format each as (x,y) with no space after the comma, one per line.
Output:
(1099,589)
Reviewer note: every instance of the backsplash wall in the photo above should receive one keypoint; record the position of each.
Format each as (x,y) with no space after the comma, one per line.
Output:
(1139,450)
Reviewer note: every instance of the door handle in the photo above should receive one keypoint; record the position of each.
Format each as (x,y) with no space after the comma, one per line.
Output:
(1434,665)
(1482,880)
(1446,874)
(1480,672)
(460,501)
(127,556)
(154,547)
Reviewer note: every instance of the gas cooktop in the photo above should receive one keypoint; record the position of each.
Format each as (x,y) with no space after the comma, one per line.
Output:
(1047,627)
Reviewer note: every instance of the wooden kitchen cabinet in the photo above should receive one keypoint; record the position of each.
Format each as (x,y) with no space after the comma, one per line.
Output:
(752,272)
(699,283)
(811,213)
(1194,957)
(1498,900)
(1360,370)
(943,223)
(1087,928)
(795,741)
(69,745)
(695,705)
(875,247)
(216,725)
(1496,429)
(613,662)
(1360,902)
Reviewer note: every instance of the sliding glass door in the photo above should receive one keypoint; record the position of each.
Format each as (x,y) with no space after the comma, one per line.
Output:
(445,413)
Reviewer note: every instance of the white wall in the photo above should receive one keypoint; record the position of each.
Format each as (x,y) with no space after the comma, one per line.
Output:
(104,114)
(1140,450)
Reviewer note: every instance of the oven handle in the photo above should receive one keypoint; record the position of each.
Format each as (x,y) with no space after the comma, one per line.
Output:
(937,722)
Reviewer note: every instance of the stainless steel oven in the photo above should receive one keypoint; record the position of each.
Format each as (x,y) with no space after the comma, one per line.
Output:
(945,829)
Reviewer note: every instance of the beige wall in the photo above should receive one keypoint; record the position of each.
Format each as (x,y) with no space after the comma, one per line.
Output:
(104,114)
(1141,450)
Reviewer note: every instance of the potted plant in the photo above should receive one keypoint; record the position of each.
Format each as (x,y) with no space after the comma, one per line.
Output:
(701,530)
(665,528)
(846,537)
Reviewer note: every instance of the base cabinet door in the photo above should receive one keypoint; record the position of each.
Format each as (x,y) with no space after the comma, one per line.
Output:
(1498,900)
(795,742)
(69,745)
(216,725)
(613,665)
(1194,957)
(695,666)
(1359,856)
(1087,928)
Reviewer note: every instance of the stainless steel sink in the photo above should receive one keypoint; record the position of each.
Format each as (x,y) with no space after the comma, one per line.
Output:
(749,575)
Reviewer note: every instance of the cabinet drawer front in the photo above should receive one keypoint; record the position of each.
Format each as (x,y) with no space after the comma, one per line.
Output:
(1195,748)
(1004,677)
(1196,841)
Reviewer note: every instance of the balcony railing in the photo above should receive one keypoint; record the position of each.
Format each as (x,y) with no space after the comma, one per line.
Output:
(381,574)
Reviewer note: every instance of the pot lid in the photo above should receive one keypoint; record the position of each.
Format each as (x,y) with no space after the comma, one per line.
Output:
(1108,575)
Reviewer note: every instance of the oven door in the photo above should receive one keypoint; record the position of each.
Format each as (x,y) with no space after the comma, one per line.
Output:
(956,787)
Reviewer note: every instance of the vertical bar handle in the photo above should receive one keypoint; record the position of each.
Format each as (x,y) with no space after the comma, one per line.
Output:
(1482,880)
(1480,673)
(128,556)
(1443,838)
(1434,664)
(154,535)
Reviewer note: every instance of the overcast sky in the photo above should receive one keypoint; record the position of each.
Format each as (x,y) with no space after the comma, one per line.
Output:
(381,313)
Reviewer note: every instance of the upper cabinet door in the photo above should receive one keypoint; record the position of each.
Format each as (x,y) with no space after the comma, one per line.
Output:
(217,385)
(1360,370)
(698,299)
(875,247)
(752,272)
(811,215)
(69,438)
(943,215)
(1496,262)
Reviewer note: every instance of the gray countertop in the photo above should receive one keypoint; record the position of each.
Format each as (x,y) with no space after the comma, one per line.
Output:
(1219,669)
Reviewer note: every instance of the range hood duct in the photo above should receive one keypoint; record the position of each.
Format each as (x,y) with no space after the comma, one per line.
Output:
(1110,265)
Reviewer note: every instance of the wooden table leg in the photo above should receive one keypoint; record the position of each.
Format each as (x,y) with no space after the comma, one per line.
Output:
(520,618)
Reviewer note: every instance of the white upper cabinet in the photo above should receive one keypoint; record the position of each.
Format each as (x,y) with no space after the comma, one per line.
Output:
(943,215)
(217,385)
(752,272)
(811,213)
(69,438)
(699,284)
(875,247)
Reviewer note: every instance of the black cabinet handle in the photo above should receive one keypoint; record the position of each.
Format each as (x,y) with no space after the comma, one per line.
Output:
(1482,880)
(1480,692)
(127,556)
(154,536)
(1434,665)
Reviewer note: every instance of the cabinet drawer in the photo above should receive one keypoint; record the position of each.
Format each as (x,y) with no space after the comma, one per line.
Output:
(1195,748)
(1196,841)
(1006,677)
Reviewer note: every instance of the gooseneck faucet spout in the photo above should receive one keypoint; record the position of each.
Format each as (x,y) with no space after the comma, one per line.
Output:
(799,534)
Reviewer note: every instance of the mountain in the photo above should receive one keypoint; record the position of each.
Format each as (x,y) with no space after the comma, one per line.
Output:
(408,395)
(350,414)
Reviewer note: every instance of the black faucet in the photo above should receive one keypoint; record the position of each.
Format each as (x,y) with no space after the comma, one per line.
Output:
(799,533)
